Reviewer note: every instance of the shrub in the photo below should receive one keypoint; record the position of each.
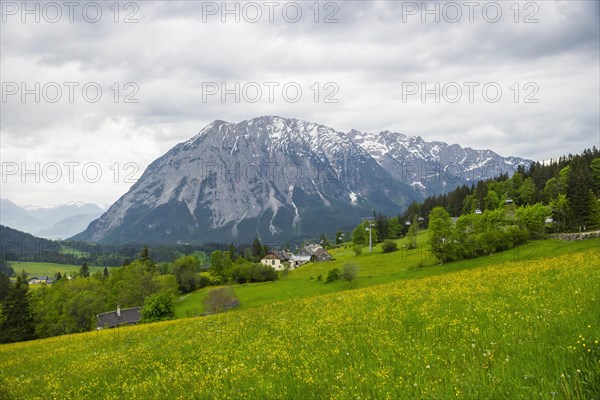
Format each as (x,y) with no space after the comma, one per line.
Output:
(357,248)
(247,272)
(389,246)
(320,278)
(220,300)
(203,280)
(158,307)
(332,275)
(349,272)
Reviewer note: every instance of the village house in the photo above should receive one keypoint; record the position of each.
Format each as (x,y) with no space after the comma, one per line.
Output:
(126,316)
(311,252)
(275,259)
(39,279)
(315,252)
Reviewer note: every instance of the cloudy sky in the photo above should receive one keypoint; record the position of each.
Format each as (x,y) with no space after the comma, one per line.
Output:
(93,92)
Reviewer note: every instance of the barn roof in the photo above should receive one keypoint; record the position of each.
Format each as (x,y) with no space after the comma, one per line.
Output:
(112,319)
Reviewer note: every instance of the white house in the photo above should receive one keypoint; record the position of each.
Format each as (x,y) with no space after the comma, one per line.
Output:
(275,259)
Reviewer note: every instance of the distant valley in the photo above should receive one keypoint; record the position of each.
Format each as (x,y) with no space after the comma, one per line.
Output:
(51,222)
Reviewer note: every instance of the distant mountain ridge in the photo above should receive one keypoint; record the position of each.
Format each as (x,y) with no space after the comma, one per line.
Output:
(276,178)
(434,167)
(52,222)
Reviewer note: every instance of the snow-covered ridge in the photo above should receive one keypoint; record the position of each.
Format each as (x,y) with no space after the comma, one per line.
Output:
(279,177)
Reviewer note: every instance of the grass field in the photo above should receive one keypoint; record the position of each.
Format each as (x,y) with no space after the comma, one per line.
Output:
(375,268)
(47,269)
(513,330)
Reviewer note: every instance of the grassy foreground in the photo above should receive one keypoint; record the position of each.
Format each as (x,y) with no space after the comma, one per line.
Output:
(519,330)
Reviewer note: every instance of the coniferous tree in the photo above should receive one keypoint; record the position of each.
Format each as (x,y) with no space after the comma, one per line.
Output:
(17,323)
(394,228)
(593,220)
(579,183)
(232,251)
(258,251)
(146,260)
(84,271)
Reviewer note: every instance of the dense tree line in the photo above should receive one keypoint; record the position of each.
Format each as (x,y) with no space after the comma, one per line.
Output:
(71,305)
(570,186)
(475,235)
(561,195)
(20,246)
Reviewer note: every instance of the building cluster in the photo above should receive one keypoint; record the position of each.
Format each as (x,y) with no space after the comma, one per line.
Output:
(280,259)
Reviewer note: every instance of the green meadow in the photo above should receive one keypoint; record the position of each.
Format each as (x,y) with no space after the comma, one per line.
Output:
(525,327)
(48,269)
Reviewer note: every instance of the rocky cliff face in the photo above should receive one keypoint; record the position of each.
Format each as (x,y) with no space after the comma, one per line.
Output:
(433,168)
(270,177)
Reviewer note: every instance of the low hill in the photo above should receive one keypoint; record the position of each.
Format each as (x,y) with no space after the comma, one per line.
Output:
(16,246)
(513,330)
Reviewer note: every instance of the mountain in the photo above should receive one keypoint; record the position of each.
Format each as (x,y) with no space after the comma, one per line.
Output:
(435,167)
(17,245)
(17,217)
(271,177)
(53,222)
(69,226)
(283,179)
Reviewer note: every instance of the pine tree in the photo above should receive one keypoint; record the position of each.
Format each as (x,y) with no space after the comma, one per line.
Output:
(595,168)
(232,252)
(84,271)
(593,219)
(146,260)
(105,272)
(17,324)
(578,185)
(394,228)
(258,251)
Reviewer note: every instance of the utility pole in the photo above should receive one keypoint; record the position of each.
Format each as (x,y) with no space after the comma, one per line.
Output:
(370,228)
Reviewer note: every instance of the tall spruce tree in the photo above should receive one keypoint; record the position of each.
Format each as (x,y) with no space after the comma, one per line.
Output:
(17,320)
(579,183)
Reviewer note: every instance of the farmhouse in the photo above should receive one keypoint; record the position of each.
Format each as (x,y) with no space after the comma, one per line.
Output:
(39,279)
(126,316)
(315,252)
(310,252)
(297,261)
(275,259)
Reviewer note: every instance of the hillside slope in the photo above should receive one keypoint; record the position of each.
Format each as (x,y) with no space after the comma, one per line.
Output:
(508,331)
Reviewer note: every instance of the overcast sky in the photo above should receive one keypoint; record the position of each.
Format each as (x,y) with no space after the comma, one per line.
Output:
(521,79)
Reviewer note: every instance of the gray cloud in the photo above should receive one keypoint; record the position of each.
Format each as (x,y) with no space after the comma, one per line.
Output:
(374,49)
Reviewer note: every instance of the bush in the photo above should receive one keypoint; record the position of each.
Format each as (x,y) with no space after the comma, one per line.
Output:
(320,278)
(203,280)
(332,275)
(247,272)
(220,300)
(158,307)
(357,248)
(389,246)
(349,272)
